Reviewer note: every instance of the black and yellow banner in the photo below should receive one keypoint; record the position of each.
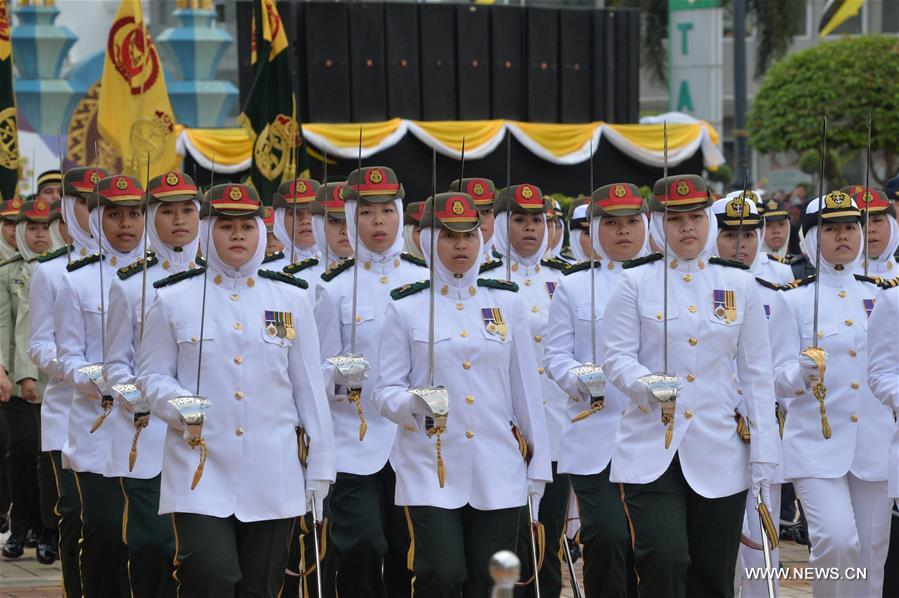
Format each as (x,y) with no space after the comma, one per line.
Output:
(837,12)
(9,128)
(270,113)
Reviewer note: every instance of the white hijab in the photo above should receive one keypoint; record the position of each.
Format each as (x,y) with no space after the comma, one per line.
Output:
(56,238)
(80,238)
(809,245)
(502,245)
(657,230)
(283,235)
(215,262)
(878,264)
(178,259)
(442,275)
(124,258)
(574,235)
(409,245)
(597,246)
(6,250)
(363,253)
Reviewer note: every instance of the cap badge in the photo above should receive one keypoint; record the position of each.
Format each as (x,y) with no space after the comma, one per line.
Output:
(458,208)
(121,183)
(868,197)
(236,193)
(172,179)
(41,205)
(478,189)
(837,199)
(95,177)
(527,192)
(772,205)
(301,187)
(682,188)
(620,191)
(738,208)
(376,176)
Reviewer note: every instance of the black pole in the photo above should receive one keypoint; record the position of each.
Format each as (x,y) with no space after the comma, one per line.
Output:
(741,158)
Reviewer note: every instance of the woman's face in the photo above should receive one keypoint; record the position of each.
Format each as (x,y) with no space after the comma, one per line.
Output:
(302,236)
(37,236)
(687,233)
(123,227)
(272,244)
(749,245)
(621,237)
(378,224)
(177,223)
(486,223)
(64,231)
(878,234)
(840,242)
(235,239)
(526,233)
(82,215)
(586,245)
(776,233)
(50,193)
(457,251)
(335,233)
(552,232)
(9,232)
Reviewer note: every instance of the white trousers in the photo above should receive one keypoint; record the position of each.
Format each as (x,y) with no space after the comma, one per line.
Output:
(755,559)
(848,527)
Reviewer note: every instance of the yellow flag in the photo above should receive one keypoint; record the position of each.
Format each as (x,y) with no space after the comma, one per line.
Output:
(135,115)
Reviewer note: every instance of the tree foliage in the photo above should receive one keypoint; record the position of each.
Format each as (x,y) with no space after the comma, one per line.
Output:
(845,80)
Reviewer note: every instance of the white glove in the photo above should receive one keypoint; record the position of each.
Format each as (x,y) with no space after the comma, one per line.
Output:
(418,406)
(808,369)
(352,377)
(762,478)
(535,493)
(316,491)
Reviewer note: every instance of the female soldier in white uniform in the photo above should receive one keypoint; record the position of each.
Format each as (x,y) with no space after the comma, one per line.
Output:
(620,229)
(881,234)
(684,488)
(368,532)
(462,504)
(840,474)
(305,252)
(173,216)
(261,371)
(117,222)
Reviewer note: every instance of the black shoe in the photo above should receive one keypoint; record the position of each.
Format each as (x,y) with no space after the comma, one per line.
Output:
(47,551)
(14,548)
(31,539)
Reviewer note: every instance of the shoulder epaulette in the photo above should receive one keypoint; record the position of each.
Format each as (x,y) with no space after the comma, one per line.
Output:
(83,262)
(798,283)
(413,259)
(409,289)
(889,284)
(492,283)
(337,268)
(646,259)
(729,263)
(132,269)
(272,256)
(579,267)
(11,260)
(554,263)
(863,278)
(777,258)
(282,277)
(164,282)
(768,284)
(52,255)
(796,259)
(497,254)
(491,265)
(294,268)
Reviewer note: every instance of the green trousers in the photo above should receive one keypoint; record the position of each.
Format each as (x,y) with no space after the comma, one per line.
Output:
(300,578)
(551,514)
(222,557)
(370,537)
(605,537)
(68,509)
(150,540)
(451,549)
(103,557)
(684,544)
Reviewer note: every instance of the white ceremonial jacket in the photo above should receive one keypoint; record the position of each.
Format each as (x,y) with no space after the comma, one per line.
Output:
(333,315)
(586,445)
(493,384)
(883,368)
(702,348)
(772,270)
(45,282)
(536,285)
(862,427)
(261,387)
(122,356)
(78,322)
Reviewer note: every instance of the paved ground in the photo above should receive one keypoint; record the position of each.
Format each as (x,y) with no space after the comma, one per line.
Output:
(26,578)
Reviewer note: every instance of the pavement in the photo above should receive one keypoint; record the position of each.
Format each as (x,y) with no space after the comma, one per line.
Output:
(26,578)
